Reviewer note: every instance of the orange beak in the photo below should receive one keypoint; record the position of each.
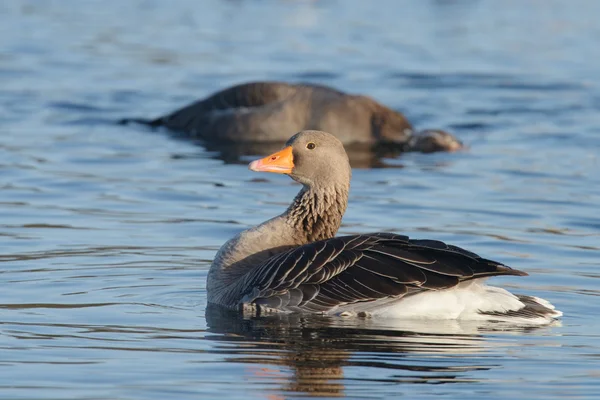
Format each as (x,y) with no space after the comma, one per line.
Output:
(281,162)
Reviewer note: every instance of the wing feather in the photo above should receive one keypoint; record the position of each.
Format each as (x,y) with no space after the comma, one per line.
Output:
(320,276)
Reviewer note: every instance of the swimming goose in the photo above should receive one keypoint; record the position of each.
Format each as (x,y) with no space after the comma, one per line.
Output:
(264,111)
(294,263)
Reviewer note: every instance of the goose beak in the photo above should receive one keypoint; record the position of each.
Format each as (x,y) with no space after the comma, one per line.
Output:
(281,162)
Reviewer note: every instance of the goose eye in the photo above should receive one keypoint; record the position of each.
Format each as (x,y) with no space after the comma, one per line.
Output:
(311,145)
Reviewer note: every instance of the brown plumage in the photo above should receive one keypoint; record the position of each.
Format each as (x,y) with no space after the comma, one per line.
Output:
(293,262)
(270,111)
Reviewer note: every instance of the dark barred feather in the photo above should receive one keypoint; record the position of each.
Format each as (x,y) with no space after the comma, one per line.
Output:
(533,309)
(322,275)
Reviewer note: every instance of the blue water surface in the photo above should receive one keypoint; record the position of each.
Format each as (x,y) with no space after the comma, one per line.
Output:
(107,231)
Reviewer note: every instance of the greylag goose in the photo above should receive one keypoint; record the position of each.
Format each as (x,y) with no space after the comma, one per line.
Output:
(294,263)
(264,111)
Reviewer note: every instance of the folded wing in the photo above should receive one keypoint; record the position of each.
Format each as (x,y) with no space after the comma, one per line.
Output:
(327,274)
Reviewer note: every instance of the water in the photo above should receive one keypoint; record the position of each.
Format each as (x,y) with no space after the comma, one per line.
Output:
(107,232)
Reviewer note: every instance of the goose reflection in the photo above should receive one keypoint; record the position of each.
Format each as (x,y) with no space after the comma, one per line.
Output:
(308,354)
(361,155)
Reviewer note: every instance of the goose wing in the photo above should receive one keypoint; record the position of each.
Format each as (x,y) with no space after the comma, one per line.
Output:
(323,275)
(247,95)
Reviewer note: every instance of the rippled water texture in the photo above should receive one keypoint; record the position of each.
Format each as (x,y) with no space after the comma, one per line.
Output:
(107,232)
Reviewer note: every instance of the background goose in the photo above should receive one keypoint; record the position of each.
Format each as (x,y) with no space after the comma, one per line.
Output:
(293,262)
(265,111)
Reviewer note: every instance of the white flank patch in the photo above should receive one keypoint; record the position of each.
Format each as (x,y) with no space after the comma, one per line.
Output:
(466,301)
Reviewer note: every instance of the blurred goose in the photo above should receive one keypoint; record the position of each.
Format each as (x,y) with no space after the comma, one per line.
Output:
(266,111)
(294,263)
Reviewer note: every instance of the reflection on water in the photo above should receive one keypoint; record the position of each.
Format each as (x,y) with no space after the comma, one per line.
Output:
(360,155)
(308,354)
